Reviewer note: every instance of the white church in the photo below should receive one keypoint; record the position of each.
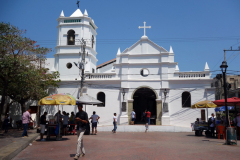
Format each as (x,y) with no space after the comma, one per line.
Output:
(143,76)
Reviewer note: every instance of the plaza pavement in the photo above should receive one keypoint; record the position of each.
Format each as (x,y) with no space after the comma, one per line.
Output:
(133,146)
(12,143)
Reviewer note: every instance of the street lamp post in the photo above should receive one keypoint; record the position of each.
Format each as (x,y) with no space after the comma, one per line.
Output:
(224,69)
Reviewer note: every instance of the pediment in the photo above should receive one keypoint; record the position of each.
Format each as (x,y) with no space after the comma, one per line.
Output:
(144,47)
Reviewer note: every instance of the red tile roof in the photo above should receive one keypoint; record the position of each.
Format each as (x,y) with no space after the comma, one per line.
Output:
(103,64)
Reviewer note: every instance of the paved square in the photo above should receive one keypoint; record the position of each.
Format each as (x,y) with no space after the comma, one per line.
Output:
(133,146)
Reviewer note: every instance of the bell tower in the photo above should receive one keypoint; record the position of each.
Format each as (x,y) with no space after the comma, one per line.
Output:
(68,50)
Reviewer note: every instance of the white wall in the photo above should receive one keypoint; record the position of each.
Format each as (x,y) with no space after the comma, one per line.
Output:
(112,102)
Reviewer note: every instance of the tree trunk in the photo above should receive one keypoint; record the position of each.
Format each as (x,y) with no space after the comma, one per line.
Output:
(23,107)
(3,100)
(7,107)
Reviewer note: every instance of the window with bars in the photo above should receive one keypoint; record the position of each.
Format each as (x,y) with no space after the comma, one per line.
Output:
(72,21)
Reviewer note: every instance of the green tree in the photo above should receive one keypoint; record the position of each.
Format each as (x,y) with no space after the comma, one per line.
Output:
(22,76)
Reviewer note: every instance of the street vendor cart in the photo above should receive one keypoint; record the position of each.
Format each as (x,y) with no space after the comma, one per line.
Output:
(51,130)
(199,128)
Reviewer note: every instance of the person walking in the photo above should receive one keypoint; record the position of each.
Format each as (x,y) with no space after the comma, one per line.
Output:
(133,116)
(26,117)
(212,125)
(114,122)
(94,119)
(81,120)
(65,122)
(148,115)
(43,122)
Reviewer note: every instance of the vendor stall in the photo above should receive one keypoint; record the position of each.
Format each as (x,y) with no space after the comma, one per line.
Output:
(231,137)
(200,126)
(57,99)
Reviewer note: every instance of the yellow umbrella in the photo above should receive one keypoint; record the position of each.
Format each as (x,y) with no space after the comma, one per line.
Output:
(58,99)
(204,104)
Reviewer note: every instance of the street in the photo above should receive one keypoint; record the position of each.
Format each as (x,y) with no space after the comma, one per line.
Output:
(131,146)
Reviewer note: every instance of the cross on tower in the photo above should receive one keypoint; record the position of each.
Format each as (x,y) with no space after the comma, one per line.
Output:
(78,3)
(144,27)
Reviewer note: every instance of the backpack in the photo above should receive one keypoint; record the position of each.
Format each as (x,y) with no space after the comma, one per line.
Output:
(210,121)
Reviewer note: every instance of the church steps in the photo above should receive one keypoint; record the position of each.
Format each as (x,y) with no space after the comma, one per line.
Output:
(141,128)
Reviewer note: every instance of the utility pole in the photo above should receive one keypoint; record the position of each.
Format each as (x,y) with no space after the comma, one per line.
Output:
(224,67)
(81,65)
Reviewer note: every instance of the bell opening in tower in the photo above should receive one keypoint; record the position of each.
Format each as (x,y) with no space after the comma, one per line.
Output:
(71,37)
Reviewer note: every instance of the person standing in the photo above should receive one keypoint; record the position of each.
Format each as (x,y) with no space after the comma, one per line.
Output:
(58,116)
(95,119)
(10,120)
(237,122)
(148,115)
(65,123)
(81,120)
(5,124)
(43,122)
(143,117)
(133,116)
(114,123)
(71,120)
(26,117)
(212,125)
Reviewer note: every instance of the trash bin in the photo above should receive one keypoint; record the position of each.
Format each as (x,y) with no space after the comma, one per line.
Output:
(231,136)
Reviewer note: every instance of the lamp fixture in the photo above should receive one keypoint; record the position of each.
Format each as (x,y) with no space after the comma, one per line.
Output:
(165,93)
(224,66)
(123,93)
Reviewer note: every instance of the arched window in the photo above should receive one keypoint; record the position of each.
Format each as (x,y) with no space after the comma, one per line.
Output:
(71,37)
(186,99)
(101,97)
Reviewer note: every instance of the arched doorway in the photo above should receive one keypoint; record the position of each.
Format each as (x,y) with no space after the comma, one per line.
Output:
(144,98)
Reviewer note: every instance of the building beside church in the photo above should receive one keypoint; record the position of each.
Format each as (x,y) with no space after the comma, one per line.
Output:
(143,76)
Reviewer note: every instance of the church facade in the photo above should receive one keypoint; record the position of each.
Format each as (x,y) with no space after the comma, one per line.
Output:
(141,77)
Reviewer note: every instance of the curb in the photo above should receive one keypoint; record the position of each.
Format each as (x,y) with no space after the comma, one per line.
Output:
(11,150)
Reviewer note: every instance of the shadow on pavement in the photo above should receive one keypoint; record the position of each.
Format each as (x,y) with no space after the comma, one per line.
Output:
(72,155)
(52,139)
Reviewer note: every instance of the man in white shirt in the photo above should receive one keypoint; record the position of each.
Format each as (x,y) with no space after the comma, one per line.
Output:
(212,125)
(95,119)
(237,121)
(114,122)
(133,116)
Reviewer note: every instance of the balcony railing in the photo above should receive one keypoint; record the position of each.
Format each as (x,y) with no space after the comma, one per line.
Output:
(101,76)
(191,75)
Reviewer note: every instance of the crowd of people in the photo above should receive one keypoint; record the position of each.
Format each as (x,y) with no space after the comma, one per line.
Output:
(67,123)
(214,122)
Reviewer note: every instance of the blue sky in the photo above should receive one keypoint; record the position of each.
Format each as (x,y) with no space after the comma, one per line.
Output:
(198,30)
